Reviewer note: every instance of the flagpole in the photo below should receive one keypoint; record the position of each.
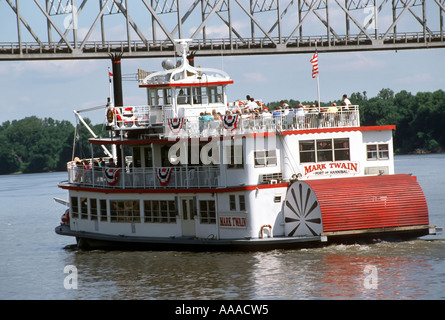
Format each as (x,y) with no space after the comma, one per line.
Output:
(110,84)
(318,82)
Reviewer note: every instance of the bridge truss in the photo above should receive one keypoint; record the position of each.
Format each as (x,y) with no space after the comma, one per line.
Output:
(90,29)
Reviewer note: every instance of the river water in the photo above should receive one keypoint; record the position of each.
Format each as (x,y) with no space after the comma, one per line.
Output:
(35,263)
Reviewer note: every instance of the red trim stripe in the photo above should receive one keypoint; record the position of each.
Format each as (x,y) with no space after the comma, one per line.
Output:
(170,190)
(258,134)
(201,84)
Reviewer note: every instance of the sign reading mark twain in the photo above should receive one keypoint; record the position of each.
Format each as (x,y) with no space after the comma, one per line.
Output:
(331,168)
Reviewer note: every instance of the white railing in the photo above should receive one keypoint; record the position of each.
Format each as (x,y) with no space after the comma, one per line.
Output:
(139,117)
(244,124)
(141,178)
(130,117)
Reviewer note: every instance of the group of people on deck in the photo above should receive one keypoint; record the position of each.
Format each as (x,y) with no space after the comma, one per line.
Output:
(256,108)
(255,113)
(82,166)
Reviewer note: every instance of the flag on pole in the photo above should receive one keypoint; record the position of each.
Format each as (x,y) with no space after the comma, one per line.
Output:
(110,74)
(314,62)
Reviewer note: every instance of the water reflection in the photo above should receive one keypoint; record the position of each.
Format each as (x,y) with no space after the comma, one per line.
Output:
(335,272)
(163,275)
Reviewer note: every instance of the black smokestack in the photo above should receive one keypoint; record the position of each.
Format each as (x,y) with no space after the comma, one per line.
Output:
(117,80)
(118,96)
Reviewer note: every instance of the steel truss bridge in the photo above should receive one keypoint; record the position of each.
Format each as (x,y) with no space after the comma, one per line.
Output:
(94,29)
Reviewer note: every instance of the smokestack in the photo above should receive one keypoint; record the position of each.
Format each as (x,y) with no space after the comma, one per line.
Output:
(117,79)
(118,96)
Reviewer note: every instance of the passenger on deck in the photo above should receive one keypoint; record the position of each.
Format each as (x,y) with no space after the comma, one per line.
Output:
(245,105)
(346,102)
(277,112)
(86,164)
(284,104)
(78,170)
(110,163)
(299,113)
(333,108)
(215,115)
(252,104)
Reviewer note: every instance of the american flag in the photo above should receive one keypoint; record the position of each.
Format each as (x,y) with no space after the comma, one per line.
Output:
(314,62)
(110,75)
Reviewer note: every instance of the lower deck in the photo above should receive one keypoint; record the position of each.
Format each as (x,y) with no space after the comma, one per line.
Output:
(207,215)
(265,216)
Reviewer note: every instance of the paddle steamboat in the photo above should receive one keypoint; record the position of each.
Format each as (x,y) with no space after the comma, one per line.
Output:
(191,170)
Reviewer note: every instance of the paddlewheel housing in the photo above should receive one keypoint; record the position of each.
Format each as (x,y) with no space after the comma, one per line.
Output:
(321,206)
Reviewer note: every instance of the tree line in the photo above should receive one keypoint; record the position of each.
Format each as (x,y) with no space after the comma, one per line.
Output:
(43,145)
(35,145)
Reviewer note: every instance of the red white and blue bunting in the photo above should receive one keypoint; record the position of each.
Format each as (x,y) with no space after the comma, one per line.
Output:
(175,124)
(164,175)
(111,175)
(230,121)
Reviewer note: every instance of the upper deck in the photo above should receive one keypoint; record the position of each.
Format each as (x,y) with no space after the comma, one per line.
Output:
(233,121)
(186,102)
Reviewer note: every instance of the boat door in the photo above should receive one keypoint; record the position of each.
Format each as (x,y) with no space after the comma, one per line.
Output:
(188,216)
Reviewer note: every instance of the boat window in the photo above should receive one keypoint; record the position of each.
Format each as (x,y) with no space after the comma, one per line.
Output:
(377,151)
(167,96)
(341,149)
(307,151)
(148,154)
(93,209)
(215,94)
(371,151)
(162,211)
(207,212)
(324,150)
(103,210)
(83,208)
(159,97)
(183,95)
(154,95)
(137,159)
(232,202)
(125,211)
(74,208)
(266,158)
(383,151)
(200,95)
(242,202)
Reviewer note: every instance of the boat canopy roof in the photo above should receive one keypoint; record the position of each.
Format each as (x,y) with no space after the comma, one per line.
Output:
(183,74)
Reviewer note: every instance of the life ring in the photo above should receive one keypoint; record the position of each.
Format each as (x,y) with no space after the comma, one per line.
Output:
(66,216)
(110,115)
(262,231)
